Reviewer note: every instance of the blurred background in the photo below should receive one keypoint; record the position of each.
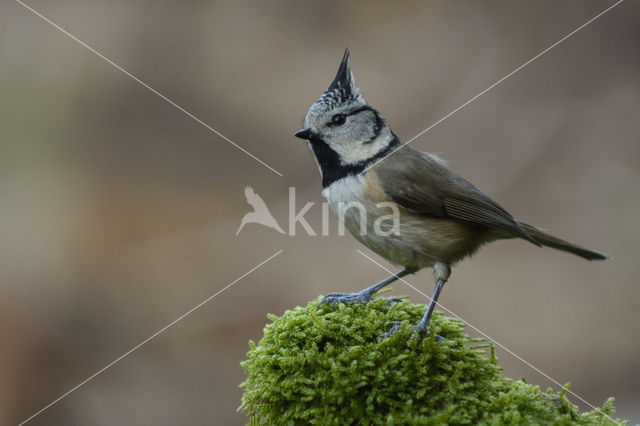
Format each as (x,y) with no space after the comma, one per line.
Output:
(118,212)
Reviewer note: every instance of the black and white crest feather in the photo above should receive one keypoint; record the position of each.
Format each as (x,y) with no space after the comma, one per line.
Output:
(343,89)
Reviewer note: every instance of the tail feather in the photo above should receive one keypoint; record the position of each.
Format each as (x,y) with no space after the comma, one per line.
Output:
(557,243)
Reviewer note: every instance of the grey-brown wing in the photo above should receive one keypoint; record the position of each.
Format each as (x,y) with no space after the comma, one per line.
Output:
(465,202)
(413,183)
(424,185)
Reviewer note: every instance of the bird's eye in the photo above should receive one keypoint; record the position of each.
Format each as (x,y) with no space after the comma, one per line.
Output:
(338,119)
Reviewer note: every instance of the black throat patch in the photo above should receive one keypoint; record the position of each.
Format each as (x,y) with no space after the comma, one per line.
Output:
(329,160)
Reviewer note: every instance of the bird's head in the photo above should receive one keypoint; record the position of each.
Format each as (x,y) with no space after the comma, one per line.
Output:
(344,123)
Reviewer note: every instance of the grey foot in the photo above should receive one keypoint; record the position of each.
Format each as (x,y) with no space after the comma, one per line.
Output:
(420,329)
(348,298)
(395,326)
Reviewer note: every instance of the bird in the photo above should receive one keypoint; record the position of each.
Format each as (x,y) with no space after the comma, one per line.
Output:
(260,213)
(443,218)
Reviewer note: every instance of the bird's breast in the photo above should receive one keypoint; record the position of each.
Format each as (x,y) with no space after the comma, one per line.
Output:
(359,202)
(358,191)
(365,211)
(345,190)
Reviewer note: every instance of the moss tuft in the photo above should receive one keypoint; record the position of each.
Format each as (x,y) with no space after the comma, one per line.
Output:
(326,366)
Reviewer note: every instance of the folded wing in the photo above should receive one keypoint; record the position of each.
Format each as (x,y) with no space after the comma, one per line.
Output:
(424,185)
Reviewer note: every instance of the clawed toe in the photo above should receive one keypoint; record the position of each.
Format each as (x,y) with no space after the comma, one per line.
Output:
(421,331)
(395,326)
(347,298)
(424,332)
(391,300)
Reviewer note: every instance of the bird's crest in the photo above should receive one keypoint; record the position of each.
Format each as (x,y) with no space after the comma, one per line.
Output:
(343,88)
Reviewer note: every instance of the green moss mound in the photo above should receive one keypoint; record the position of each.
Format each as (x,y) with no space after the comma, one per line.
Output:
(327,366)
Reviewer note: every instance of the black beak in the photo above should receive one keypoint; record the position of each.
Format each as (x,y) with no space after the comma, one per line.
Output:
(303,134)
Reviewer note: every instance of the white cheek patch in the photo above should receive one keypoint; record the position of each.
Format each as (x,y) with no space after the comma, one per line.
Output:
(360,152)
(354,152)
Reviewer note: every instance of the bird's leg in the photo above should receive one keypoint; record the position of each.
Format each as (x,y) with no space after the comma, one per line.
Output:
(423,325)
(441,272)
(365,295)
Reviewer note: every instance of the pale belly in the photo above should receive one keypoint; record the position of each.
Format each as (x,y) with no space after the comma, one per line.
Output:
(411,241)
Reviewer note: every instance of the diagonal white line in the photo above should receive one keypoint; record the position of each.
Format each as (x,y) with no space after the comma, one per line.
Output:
(91,377)
(146,86)
(496,83)
(493,340)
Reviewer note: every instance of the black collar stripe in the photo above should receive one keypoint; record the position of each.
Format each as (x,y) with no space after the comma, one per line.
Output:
(329,161)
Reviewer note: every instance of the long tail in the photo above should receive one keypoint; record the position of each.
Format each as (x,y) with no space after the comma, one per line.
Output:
(550,241)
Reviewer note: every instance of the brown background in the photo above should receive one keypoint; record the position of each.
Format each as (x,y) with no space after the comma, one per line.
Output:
(118,212)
